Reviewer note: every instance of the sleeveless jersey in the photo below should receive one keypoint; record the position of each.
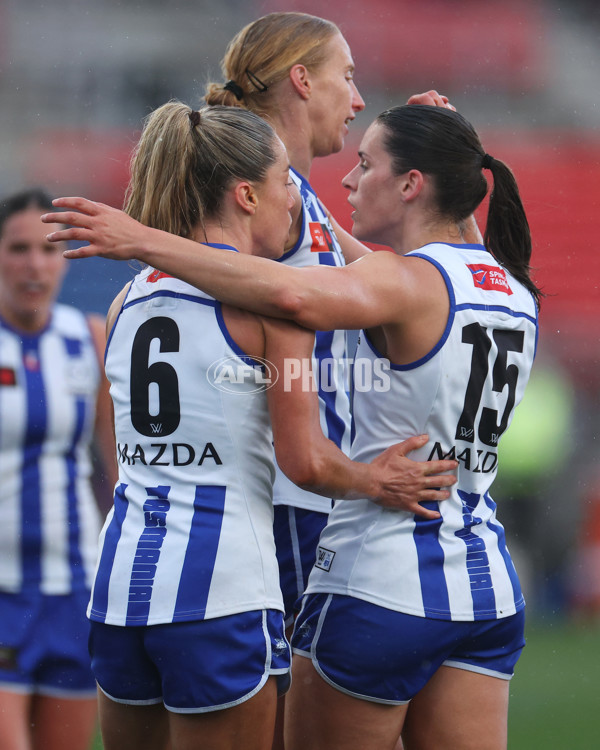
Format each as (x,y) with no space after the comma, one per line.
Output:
(190,535)
(462,394)
(318,245)
(50,520)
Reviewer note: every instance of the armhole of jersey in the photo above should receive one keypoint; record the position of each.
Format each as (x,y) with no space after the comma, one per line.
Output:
(114,325)
(244,356)
(443,338)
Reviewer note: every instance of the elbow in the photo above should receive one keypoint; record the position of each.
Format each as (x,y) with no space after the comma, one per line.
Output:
(307,471)
(293,304)
(287,303)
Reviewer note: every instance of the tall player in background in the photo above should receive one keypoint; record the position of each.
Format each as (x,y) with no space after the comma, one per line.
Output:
(53,403)
(188,642)
(408,625)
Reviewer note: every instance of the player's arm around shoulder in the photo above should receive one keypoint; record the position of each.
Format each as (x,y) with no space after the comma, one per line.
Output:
(378,289)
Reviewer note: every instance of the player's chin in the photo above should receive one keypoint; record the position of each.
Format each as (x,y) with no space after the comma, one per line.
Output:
(356,229)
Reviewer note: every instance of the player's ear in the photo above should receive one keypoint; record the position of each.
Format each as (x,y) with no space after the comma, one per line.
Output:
(245,196)
(300,80)
(411,184)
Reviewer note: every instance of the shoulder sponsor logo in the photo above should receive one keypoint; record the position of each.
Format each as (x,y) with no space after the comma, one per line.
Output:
(491,278)
(156,276)
(324,559)
(322,241)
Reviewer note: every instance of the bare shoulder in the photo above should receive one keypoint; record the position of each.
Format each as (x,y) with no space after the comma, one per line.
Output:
(115,307)
(400,273)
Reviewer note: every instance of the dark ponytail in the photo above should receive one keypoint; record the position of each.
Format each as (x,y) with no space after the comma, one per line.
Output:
(442,143)
(507,234)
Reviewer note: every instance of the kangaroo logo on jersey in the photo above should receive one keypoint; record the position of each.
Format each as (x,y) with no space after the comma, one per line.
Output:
(492,278)
(322,241)
(324,558)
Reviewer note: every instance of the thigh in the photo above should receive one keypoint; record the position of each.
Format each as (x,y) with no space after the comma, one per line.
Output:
(14,720)
(321,717)
(59,723)
(458,709)
(248,725)
(133,727)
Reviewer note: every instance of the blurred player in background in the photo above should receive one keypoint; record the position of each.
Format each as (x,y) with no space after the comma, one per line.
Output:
(53,403)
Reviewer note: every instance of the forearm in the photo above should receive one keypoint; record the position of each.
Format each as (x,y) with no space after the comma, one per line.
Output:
(312,297)
(352,248)
(329,472)
(246,281)
(316,297)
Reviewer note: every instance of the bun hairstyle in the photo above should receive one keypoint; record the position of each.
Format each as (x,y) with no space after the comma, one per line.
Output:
(262,54)
(186,159)
(443,144)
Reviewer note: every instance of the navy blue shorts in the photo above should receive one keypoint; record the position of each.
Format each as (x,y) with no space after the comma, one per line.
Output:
(384,656)
(191,667)
(43,645)
(297,533)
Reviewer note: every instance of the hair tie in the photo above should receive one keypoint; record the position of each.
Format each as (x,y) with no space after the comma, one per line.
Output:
(194,116)
(236,90)
(256,82)
(486,161)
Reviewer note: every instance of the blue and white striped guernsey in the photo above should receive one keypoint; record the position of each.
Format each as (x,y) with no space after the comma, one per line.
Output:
(318,245)
(462,394)
(191,532)
(50,521)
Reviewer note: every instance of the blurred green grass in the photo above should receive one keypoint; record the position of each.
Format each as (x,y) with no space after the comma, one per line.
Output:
(555,694)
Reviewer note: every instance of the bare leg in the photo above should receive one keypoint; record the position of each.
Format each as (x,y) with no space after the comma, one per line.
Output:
(59,723)
(14,720)
(278,735)
(278,743)
(460,710)
(133,727)
(249,725)
(320,717)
